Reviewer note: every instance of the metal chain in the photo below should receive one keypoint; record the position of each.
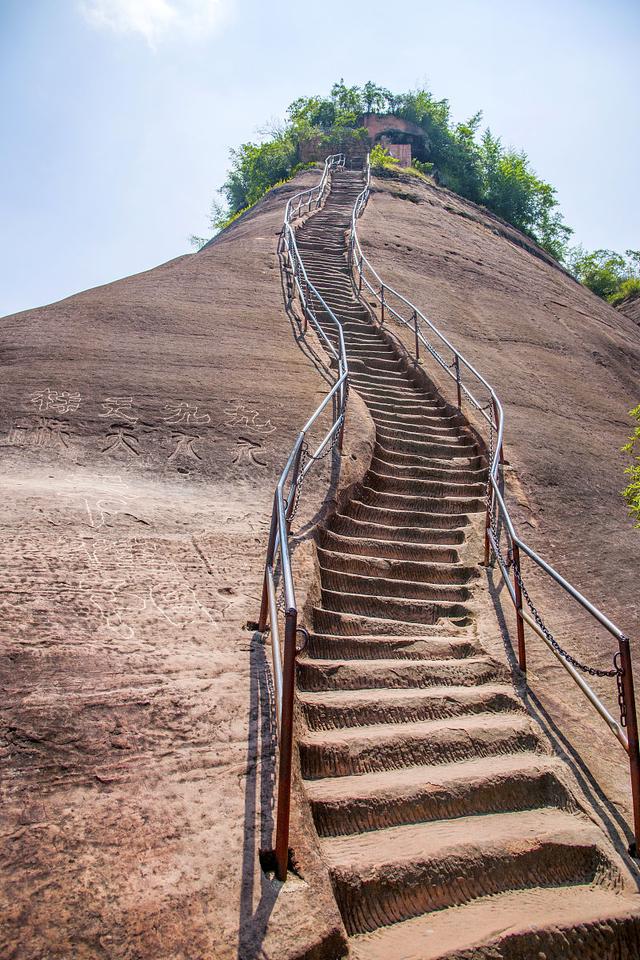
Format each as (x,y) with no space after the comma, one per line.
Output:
(511,561)
(592,671)
(297,493)
(280,602)
(331,446)
(622,703)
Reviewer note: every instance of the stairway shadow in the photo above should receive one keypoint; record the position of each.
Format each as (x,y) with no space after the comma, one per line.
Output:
(259,801)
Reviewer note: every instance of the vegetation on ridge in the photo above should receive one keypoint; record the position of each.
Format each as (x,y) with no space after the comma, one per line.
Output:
(476,166)
(612,276)
(473,164)
(632,492)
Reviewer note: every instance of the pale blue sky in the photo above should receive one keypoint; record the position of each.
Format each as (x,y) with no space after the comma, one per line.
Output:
(117,115)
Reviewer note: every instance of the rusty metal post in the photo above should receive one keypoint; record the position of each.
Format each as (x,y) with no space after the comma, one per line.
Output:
(457,366)
(360,277)
(285,745)
(382,303)
(522,652)
(632,735)
(264,605)
(415,331)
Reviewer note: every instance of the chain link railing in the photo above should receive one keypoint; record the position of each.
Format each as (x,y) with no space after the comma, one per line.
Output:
(471,387)
(278,593)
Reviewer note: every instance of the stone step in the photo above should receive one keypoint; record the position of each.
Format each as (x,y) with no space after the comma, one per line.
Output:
(358,750)
(576,922)
(337,709)
(375,586)
(385,877)
(381,567)
(391,798)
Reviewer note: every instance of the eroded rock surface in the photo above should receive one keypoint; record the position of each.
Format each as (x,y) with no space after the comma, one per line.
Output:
(144,424)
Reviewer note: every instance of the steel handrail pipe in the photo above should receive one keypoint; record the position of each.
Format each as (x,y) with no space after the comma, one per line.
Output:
(496,504)
(291,478)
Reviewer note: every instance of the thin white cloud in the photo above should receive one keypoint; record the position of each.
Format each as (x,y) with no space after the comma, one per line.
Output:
(156,19)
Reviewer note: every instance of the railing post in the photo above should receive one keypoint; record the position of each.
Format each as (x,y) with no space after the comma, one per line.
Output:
(522,652)
(382,303)
(360,276)
(283,811)
(457,366)
(415,331)
(632,735)
(264,605)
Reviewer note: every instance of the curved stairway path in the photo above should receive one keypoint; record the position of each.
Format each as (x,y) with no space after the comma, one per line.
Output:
(443,818)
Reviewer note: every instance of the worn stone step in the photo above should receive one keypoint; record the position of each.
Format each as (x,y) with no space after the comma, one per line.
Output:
(441,448)
(337,709)
(408,455)
(377,548)
(366,530)
(406,470)
(373,801)
(430,427)
(395,673)
(396,608)
(324,646)
(351,624)
(358,750)
(417,503)
(576,922)
(392,483)
(417,571)
(397,518)
(385,877)
(375,586)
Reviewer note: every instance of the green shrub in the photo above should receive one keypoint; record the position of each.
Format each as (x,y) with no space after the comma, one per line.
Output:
(631,493)
(381,159)
(628,288)
(426,169)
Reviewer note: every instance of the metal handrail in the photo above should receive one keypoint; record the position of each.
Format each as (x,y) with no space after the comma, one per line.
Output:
(439,348)
(278,561)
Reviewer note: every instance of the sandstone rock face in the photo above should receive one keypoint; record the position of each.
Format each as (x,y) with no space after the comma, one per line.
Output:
(144,424)
(631,308)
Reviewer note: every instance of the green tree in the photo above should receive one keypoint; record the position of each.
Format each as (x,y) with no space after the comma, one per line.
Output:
(375,98)
(612,276)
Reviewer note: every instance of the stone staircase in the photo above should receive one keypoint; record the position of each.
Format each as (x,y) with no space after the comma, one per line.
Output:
(443,817)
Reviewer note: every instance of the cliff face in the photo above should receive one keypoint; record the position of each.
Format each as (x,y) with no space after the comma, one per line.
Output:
(567,368)
(144,424)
